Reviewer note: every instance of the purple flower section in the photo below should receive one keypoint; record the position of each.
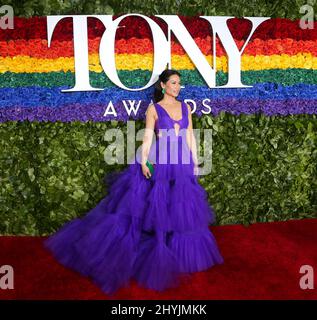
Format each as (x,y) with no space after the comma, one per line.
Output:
(95,112)
(66,113)
(268,107)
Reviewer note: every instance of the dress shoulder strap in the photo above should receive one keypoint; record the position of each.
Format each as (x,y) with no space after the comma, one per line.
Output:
(158,109)
(185,109)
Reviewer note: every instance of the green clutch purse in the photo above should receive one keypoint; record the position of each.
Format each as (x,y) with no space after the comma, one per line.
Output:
(150,166)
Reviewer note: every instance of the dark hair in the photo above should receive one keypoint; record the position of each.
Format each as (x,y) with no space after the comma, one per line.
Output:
(164,77)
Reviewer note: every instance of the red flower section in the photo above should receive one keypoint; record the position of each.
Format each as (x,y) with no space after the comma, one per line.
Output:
(37,48)
(277,28)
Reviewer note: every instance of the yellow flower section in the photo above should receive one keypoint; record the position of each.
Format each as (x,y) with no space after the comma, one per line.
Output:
(136,61)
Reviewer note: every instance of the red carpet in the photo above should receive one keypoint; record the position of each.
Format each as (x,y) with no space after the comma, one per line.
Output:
(262,261)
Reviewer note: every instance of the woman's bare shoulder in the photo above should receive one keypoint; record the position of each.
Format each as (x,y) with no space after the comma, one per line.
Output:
(151,110)
(151,107)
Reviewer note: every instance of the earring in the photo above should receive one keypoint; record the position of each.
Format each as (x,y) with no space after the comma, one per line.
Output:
(163,91)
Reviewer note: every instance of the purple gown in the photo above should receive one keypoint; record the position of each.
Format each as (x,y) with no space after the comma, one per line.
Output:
(153,230)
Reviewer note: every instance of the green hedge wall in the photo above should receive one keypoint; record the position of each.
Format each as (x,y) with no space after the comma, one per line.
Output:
(275,9)
(263,169)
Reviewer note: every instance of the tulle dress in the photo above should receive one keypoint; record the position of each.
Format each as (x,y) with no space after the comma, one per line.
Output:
(152,230)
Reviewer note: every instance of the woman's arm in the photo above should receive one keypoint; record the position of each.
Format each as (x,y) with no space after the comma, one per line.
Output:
(190,138)
(148,135)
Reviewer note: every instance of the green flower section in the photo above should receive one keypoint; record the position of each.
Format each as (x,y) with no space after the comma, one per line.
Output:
(139,78)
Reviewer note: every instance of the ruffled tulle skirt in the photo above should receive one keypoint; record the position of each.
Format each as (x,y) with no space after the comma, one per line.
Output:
(152,230)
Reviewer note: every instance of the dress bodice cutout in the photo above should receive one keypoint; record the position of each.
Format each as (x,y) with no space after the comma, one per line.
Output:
(165,121)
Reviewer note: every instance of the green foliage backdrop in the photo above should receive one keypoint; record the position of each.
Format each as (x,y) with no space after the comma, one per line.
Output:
(264,168)
(241,8)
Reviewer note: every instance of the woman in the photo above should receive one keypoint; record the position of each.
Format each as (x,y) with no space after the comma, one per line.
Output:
(152,227)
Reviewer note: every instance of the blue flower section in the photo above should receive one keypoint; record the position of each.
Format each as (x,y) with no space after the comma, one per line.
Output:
(36,96)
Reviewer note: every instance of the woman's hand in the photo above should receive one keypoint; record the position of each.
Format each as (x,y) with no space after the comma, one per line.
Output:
(146,171)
